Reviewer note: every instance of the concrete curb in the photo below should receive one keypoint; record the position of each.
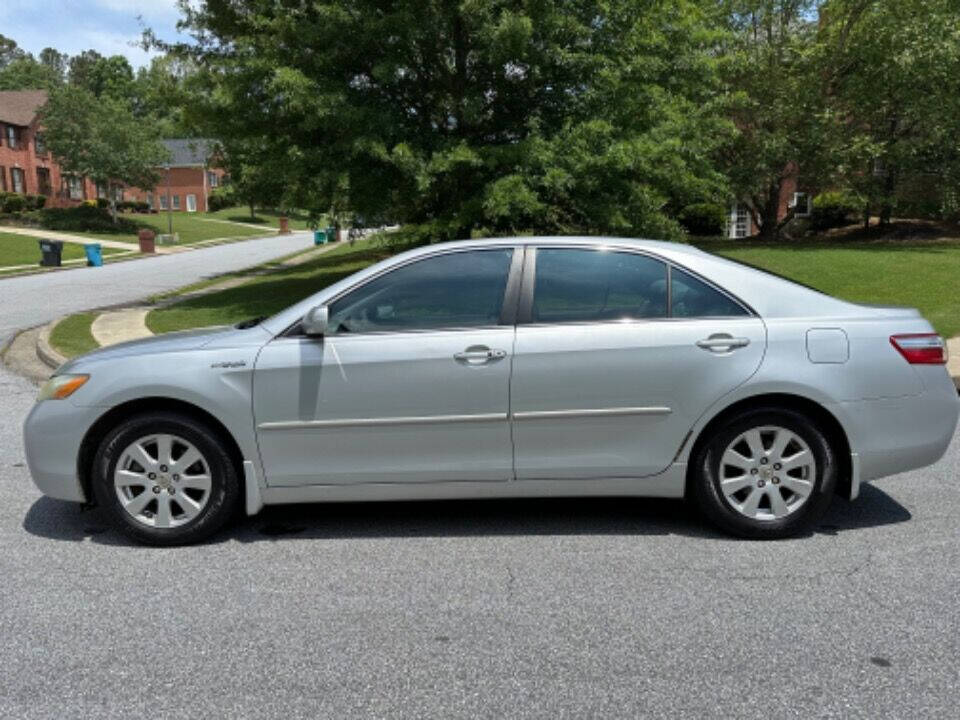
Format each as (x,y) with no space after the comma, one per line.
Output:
(45,351)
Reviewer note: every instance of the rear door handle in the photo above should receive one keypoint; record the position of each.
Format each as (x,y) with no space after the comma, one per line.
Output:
(479,355)
(722,343)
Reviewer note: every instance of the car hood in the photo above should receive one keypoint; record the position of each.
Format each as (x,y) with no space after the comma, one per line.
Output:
(225,336)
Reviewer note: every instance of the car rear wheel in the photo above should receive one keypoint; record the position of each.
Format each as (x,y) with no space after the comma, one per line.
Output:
(165,479)
(766,473)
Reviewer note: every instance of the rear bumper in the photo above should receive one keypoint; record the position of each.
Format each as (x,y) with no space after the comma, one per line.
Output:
(52,435)
(893,435)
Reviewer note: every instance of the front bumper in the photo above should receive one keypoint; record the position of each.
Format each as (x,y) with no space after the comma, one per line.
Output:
(52,435)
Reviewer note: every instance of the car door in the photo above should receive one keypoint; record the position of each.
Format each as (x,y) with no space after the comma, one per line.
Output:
(410,384)
(617,354)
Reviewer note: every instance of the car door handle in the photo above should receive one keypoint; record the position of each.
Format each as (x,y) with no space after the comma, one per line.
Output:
(479,355)
(722,343)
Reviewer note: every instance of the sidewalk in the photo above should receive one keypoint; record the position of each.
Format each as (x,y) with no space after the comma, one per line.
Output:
(67,237)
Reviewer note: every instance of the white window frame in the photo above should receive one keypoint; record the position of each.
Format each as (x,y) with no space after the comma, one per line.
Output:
(163,201)
(75,187)
(16,172)
(175,201)
(796,208)
(191,202)
(213,179)
(738,222)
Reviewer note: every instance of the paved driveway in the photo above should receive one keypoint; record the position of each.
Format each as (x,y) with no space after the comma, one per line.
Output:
(542,609)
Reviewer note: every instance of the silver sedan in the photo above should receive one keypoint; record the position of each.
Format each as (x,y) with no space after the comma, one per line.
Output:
(523,367)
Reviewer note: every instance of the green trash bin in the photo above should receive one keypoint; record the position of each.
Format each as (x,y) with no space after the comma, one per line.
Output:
(319,237)
(331,234)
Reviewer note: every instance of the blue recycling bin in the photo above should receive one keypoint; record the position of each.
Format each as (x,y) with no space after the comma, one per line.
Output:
(94,254)
(319,237)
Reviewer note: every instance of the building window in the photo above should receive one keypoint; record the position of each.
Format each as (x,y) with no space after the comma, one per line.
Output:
(191,203)
(163,202)
(738,224)
(213,178)
(17,183)
(118,194)
(176,202)
(74,187)
(13,137)
(801,204)
(39,145)
(101,190)
(3,179)
(43,181)
(149,200)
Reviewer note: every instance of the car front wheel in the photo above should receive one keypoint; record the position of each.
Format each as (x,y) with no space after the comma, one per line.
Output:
(165,479)
(767,473)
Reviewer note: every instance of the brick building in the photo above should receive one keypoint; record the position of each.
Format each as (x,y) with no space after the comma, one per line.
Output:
(27,167)
(186,183)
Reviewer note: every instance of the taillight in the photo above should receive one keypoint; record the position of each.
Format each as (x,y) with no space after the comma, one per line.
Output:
(921,348)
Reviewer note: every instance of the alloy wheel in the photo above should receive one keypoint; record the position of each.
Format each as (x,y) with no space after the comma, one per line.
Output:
(162,481)
(767,473)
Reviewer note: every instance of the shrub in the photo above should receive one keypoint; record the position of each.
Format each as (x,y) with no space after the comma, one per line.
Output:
(37,201)
(12,202)
(835,208)
(221,198)
(102,203)
(82,218)
(703,219)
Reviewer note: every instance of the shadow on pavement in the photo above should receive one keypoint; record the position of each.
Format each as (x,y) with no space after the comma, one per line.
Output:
(59,520)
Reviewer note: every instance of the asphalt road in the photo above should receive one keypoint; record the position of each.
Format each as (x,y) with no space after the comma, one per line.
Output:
(544,609)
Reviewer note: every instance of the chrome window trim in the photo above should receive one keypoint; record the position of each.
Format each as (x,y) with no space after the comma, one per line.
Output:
(514,268)
(525,312)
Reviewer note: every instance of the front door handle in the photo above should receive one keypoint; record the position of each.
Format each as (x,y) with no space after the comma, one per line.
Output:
(722,343)
(479,355)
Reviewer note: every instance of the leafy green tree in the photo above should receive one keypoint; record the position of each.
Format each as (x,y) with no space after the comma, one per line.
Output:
(162,91)
(100,138)
(26,73)
(483,116)
(10,51)
(893,75)
(772,68)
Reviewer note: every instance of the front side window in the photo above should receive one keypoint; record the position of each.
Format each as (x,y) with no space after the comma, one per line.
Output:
(40,145)
(16,175)
(693,298)
(13,137)
(578,285)
(176,202)
(213,178)
(163,202)
(456,290)
(3,179)
(75,187)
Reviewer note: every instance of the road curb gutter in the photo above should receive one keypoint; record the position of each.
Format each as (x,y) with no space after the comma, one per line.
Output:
(45,351)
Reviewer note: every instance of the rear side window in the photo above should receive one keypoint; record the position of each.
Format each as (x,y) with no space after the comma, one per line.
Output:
(693,298)
(456,290)
(577,285)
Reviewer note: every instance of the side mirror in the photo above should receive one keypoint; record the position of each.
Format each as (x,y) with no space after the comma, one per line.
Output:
(315,321)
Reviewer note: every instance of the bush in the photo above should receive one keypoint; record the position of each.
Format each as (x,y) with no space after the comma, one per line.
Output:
(12,202)
(37,202)
(102,203)
(222,197)
(703,219)
(835,208)
(82,218)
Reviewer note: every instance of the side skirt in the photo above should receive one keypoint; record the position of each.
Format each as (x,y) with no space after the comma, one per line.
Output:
(668,484)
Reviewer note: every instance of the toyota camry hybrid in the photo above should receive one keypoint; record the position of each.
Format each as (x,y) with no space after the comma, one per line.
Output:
(523,367)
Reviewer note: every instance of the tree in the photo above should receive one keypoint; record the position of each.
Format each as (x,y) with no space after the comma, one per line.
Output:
(893,77)
(101,139)
(162,91)
(487,116)
(10,51)
(27,74)
(773,72)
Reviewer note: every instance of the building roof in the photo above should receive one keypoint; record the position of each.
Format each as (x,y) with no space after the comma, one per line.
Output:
(19,107)
(189,152)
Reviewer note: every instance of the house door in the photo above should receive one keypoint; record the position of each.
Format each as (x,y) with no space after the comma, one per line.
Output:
(191,203)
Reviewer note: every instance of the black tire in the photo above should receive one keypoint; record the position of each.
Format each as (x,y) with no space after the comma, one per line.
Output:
(224,483)
(705,477)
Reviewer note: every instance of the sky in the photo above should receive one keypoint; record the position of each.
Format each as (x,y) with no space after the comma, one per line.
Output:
(71,26)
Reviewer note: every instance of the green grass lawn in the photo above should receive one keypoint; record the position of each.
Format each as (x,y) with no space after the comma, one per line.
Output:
(71,336)
(925,275)
(267,218)
(191,227)
(24,250)
(921,275)
(268,294)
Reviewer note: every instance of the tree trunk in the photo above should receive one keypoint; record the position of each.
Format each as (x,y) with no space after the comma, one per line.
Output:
(253,210)
(889,186)
(769,213)
(866,217)
(112,202)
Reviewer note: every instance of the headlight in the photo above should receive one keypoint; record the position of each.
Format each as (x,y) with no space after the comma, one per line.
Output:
(61,386)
